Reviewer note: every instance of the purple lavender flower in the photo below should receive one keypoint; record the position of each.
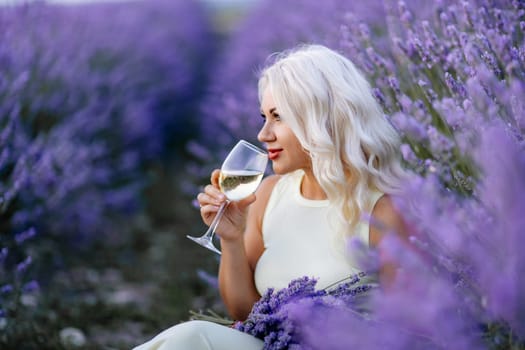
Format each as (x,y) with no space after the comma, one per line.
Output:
(25,235)
(269,319)
(31,286)
(6,289)
(22,266)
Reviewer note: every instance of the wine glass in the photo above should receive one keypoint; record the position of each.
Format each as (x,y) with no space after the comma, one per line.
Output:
(241,173)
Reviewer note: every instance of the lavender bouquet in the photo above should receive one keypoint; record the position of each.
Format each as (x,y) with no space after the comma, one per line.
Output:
(269,319)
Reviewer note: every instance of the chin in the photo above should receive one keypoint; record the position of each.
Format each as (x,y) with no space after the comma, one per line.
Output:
(279,170)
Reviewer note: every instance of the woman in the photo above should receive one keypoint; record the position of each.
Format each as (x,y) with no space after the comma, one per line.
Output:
(335,158)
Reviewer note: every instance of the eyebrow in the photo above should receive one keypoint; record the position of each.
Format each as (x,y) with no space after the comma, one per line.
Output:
(271,111)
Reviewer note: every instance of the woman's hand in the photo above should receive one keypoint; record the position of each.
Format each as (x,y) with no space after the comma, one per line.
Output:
(233,222)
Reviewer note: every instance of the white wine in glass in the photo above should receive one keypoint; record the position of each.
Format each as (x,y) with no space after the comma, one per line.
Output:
(241,174)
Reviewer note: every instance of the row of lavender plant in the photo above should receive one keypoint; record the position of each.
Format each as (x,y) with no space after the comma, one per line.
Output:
(89,96)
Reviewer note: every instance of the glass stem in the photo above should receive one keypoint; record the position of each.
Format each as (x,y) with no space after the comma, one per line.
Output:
(211,230)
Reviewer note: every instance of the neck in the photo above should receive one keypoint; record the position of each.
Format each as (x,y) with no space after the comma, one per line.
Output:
(310,188)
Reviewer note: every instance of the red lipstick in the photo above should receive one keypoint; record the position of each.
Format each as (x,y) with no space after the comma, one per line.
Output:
(273,153)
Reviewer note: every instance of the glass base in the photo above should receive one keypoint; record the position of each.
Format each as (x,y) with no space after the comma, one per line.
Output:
(206,243)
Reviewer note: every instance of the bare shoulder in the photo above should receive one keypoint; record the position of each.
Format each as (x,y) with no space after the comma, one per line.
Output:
(386,218)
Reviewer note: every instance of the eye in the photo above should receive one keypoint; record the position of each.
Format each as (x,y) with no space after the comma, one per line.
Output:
(276,117)
(263,117)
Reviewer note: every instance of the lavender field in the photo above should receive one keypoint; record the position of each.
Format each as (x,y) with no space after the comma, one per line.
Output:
(113,114)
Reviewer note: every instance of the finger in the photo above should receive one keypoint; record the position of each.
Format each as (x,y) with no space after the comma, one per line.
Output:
(208,211)
(202,199)
(215,193)
(206,199)
(214,179)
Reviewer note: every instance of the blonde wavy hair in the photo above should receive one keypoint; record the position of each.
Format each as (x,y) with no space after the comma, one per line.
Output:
(329,105)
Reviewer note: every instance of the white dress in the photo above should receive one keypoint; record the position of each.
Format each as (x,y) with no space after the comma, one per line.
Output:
(298,236)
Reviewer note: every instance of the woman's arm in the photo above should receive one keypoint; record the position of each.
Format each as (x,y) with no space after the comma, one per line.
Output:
(240,255)
(389,220)
(241,244)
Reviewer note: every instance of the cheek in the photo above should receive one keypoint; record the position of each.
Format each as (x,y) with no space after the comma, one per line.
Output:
(298,148)
(306,161)
(299,156)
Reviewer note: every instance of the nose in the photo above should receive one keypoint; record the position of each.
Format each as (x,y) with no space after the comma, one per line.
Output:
(266,133)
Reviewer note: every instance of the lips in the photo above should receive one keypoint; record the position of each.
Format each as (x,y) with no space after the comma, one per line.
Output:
(273,153)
